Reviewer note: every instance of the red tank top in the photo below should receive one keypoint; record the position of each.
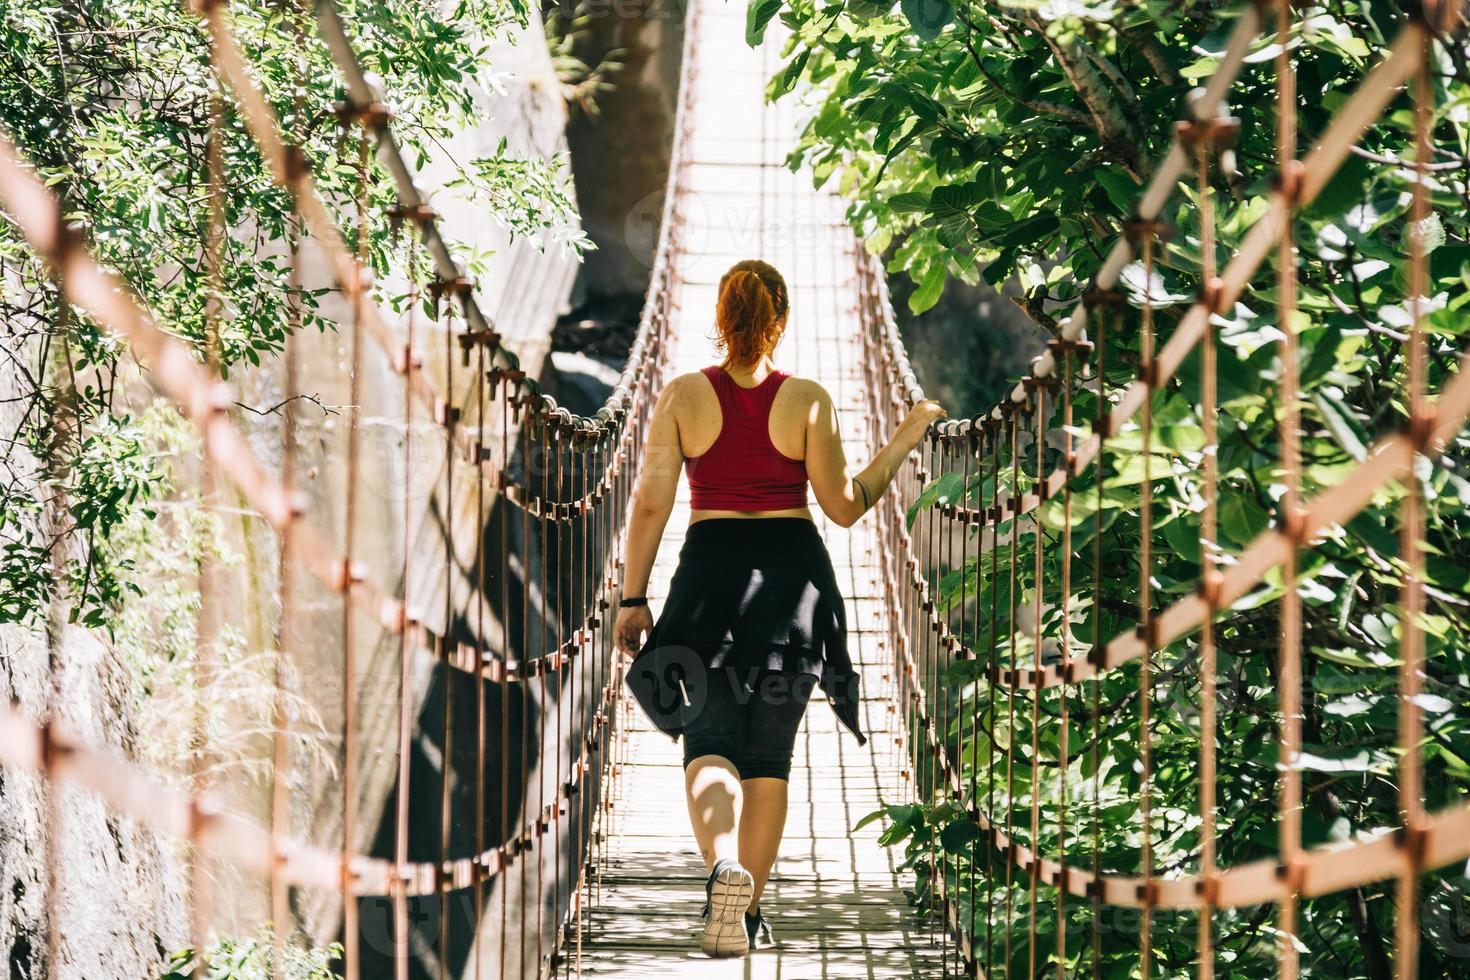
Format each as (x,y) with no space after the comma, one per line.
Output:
(744,470)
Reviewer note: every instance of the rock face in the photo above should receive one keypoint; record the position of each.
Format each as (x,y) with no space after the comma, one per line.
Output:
(970,347)
(116,901)
(621,156)
(119,891)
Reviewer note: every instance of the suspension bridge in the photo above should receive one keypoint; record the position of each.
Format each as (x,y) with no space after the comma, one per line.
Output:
(566,852)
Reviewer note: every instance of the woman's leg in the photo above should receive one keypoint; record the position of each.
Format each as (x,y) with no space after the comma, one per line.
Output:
(715,797)
(762,822)
(714,726)
(775,714)
(712,761)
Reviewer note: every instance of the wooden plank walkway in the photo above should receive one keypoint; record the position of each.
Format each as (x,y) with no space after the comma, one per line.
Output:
(835,899)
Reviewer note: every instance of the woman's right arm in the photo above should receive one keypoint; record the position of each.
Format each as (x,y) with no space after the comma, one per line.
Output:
(843,497)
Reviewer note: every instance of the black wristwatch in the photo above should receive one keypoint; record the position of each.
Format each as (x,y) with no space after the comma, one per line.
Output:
(633,600)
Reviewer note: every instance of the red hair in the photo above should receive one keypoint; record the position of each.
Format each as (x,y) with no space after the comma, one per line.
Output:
(751,310)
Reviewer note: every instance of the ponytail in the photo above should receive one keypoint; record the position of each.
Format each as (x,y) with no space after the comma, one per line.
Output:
(751,311)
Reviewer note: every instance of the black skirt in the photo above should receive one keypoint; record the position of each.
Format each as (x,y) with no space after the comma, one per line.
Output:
(749,593)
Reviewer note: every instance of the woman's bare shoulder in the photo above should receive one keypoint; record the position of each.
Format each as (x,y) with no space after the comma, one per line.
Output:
(806,392)
(681,386)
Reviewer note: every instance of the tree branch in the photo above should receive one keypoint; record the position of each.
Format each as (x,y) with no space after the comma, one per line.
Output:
(1042,106)
(1073,116)
(1112,121)
(1146,45)
(274,409)
(1037,315)
(1121,84)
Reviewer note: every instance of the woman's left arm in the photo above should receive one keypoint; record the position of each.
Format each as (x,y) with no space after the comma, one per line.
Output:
(658,482)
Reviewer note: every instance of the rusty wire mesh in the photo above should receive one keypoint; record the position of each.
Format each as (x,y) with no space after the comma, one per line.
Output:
(568,477)
(1028,455)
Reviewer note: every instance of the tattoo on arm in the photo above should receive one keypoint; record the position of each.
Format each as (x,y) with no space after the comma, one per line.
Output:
(867,497)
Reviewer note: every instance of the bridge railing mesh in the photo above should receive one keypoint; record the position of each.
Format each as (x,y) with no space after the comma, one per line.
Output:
(563,480)
(999,655)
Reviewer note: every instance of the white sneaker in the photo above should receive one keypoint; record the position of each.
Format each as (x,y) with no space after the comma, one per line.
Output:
(729,889)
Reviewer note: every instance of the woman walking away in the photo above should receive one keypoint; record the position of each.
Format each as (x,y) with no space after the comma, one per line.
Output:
(754,618)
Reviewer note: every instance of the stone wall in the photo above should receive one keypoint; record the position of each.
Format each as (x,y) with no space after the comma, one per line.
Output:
(119,898)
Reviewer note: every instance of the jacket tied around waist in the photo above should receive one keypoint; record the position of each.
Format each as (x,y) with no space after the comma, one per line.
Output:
(748,594)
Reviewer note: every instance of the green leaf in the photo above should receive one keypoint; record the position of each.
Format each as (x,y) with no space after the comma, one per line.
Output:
(905,814)
(1344,428)
(957,836)
(1451,262)
(906,819)
(928,17)
(1341,192)
(929,290)
(911,202)
(868,9)
(787,79)
(952,206)
(1122,189)
(1242,519)
(1032,229)
(949,487)
(1203,68)
(999,269)
(1184,540)
(757,15)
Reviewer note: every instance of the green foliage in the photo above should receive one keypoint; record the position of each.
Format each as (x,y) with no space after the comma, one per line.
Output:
(582,82)
(527,196)
(973,149)
(253,959)
(1013,143)
(112,103)
(228,686)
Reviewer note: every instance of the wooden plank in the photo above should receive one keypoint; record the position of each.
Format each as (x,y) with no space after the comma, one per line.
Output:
(775,964)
